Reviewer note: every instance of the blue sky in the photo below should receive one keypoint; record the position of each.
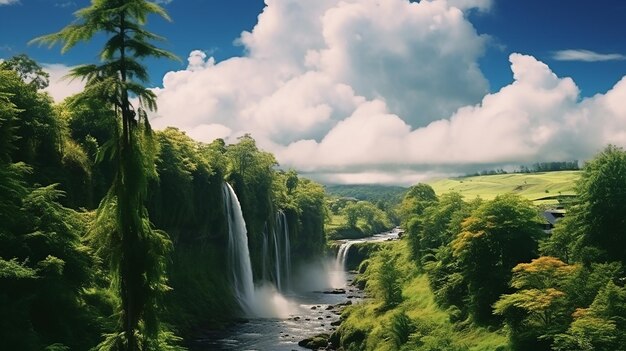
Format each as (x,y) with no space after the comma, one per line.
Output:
(536,27)
(383,91)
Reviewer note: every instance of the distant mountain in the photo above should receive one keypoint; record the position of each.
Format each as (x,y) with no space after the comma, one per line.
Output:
(368,192)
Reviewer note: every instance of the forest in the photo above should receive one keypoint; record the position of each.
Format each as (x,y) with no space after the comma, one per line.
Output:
(114,236)
(111,233)
(478,274)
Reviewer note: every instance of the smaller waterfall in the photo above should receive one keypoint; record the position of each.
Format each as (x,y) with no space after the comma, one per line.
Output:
(287,249)
(238,252)
(277,261)
(276,253)
(342,255)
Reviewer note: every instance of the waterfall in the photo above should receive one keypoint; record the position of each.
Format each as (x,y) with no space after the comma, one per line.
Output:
(238,252)
(276,253)
(260,301)
(277,260)
(285,257)
(265,255)
(342,255)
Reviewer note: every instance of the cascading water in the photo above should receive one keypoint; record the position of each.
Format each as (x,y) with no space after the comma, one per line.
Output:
(342,255)
(238,252)
(282,224)
(261,301)
(276,252)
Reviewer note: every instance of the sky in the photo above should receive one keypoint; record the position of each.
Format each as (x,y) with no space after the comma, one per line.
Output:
(374,91)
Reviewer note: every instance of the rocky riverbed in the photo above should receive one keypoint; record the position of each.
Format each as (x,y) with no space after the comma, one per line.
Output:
(318,313)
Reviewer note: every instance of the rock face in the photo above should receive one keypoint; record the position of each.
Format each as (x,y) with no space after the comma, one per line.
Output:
(317,342)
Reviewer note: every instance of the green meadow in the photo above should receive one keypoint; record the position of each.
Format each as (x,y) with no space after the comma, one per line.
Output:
(533,186)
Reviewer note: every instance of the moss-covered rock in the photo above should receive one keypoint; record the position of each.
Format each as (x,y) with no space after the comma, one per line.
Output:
(316,342)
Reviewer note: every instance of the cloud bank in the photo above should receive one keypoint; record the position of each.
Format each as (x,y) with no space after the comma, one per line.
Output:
(360,91)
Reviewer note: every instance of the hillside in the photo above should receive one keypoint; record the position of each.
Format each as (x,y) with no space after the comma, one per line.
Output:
(533,186)
(368,192)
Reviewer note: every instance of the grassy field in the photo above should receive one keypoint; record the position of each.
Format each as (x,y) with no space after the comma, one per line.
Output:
(533,186)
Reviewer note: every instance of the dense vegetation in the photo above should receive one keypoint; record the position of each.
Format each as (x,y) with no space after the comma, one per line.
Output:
(467,266)
(373,193)
(112,235)
(59,268)
(351,219)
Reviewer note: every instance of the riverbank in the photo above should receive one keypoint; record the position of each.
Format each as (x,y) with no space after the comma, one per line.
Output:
(385,322)
(312,307)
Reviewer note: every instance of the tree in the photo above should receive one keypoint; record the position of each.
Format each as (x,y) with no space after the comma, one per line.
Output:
(497,236)
(28,70)
(386,285)
(602,192)
(436,222)
(540,307)
(417,199)
(599,327)
(136,253)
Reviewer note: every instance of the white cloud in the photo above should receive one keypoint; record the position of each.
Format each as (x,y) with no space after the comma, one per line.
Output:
(586,56)
(384,91)
(61,87)
(309,64)
(9,2)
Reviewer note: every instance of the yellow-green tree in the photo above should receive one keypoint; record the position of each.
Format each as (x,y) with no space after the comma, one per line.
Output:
(497,236)
(540,307)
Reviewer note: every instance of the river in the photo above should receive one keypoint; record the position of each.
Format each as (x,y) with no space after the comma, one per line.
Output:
(311,311)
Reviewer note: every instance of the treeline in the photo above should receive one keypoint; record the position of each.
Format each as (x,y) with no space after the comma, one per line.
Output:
(535,168)
(488,265)
(351,219)
(59,278)
(388,194)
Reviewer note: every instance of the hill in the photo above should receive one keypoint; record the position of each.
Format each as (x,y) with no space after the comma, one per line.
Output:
(533,186)
(368,192)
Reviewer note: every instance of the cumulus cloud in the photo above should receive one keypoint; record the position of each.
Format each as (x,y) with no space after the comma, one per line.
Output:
(384,91)
(586,56)
(310,64)
(61,87)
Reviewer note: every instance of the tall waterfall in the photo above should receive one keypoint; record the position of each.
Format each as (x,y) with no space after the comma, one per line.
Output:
(276,249)
(238,252)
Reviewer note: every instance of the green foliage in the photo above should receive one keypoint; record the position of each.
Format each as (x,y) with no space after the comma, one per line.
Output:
(375,220)
(136,251)
(495,238)
(28,70)
(401,328)
(417,199)
(415,323)
(601,326)
(602,207)
(540,308)
(310,210)
(386,284)
(368,192)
